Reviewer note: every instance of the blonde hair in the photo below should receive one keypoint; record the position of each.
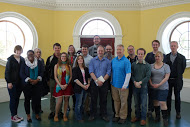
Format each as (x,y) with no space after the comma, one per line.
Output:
(161,54)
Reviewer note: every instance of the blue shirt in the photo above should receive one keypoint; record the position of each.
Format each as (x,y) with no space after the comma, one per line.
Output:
(100,67)
(120,67)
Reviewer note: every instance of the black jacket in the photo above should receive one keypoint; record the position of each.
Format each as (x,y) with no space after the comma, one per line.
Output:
(181,65)
(77,74)
(49,68)
(12,70)
(25,71)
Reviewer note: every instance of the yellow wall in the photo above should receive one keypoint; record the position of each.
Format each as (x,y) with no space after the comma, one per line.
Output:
(152,19)
(139,27)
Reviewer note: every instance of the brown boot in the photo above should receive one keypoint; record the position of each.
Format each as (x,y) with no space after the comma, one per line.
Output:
(135,120)
(143,122)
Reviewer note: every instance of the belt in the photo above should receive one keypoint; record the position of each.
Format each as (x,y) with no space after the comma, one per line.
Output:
(172,78)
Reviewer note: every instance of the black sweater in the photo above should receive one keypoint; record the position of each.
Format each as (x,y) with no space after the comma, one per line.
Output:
(77,74)
(12,70)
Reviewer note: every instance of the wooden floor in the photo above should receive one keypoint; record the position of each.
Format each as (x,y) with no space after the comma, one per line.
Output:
(5,116)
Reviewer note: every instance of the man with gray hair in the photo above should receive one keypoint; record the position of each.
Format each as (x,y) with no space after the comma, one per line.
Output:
(121,73)
(177,63)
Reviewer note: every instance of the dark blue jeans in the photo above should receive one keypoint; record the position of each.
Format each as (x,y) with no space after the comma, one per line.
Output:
(140,96)
(14,94)
(79,104)
(129,100)
(173,84)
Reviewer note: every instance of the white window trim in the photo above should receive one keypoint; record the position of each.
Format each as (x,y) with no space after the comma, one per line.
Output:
(28,22)
(93,14)
(163,27)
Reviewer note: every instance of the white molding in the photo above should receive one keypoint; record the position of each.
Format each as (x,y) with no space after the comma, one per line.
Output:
(164,37)
(29,24)
(94,14)
(97,4)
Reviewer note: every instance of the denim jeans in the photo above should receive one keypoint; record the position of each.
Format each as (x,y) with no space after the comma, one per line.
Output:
(14,94)
(79,104)
(140,97)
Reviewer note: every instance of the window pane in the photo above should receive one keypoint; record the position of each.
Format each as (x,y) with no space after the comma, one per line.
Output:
(97,27)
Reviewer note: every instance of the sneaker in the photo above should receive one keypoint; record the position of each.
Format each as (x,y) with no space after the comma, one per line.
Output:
(15,119)
(51,115)
(21,118)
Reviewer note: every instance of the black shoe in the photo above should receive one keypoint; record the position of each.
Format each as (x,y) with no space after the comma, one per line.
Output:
(60,114)
(41,111)
(149,114)
(91,118)
(29,120)
(51,115)
(105,118)
(178,115)
(115,119)
(122,121)
(38,118)
(165,121)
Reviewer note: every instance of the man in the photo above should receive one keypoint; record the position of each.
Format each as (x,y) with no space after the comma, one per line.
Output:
(50,63)
(87,57)
(108,53)
(177,63)
(121,73)
(93,49)
(100,70)
(109,56)
(132,58)
(141,72)
(150,59)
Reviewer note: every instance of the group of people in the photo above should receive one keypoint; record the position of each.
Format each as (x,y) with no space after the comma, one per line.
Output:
(90,75)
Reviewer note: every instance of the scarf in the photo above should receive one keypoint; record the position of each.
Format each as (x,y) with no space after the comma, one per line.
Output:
(31,65)
(59,76)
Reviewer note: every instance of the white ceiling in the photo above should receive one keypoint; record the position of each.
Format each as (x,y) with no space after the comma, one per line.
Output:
(97,4)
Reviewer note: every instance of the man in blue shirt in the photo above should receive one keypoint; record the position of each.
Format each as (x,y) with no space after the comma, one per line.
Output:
(100,70)
(121,73)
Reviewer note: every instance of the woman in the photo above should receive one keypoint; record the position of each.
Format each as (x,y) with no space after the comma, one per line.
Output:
(14,85)
(81,77)
(44,86)
(160,73)
(72,56)
(63,76)
(31,74)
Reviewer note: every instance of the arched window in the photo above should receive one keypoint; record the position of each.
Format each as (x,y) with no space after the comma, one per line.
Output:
(181,33)
(97,26)
(15,29)
(97,23)
(176,28)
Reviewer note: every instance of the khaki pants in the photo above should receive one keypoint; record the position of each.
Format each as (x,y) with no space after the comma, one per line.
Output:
(120,102)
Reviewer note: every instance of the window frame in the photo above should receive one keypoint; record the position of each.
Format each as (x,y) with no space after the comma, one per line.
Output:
(28,23)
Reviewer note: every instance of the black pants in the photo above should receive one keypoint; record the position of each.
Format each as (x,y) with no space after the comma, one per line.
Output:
(112,101)
(102,91)
(129,100)
(173,84)
(14,94)
(32,92)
